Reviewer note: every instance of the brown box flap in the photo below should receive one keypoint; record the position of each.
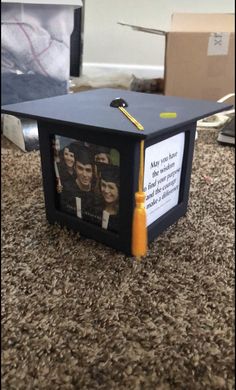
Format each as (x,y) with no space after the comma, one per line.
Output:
(189,22)
(144,29)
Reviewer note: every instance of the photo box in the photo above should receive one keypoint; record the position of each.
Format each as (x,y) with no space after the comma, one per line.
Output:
(90,156)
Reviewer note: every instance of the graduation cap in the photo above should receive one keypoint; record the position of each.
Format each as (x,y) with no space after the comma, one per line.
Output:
(72,147)
(110,173)
(101,149)
(84,155)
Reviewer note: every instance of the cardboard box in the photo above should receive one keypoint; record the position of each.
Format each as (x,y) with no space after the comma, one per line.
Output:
(199,55)
(97,196)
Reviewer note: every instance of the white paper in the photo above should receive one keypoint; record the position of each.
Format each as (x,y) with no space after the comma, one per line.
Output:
(56,170)
(218,44)
(163,166)
(78,207)
(105,219)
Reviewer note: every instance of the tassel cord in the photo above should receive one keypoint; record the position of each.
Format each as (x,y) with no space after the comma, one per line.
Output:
(141,167)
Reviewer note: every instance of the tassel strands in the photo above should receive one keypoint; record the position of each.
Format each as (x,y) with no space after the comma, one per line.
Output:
(139,228)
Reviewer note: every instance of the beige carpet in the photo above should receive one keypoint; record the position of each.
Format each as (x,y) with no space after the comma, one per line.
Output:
(79,315)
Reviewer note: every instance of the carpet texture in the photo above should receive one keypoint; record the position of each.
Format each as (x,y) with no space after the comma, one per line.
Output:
(79,315)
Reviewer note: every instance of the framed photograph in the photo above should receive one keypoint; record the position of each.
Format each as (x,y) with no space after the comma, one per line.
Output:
(87,181)
(90,155)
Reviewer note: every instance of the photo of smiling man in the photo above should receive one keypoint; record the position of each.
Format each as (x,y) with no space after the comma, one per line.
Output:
(83,192)
(84,170)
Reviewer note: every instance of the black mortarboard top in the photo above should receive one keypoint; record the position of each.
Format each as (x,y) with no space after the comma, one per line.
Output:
(92,108)
(110,173)
(84,155)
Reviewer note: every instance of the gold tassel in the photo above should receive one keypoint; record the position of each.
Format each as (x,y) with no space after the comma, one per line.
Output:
(139,228)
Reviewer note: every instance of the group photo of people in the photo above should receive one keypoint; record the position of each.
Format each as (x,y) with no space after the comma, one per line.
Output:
(87,181)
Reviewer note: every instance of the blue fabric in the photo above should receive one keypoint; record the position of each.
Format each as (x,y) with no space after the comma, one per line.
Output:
(24,87)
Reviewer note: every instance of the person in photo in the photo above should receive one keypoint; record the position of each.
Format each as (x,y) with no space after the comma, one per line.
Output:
(102,155)
(84,198)
(66,167)
(84,170)
(110,187)
(56,161)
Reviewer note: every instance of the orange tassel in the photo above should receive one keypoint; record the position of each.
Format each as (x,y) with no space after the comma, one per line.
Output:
(139,228)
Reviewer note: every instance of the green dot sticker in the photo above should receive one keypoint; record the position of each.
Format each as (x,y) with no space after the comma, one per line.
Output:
(168,115)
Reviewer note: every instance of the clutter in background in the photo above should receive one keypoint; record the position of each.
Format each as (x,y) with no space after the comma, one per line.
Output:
(117,80)
(23,132)
(154,85)
(219,119)
(227,133)
(101,80)
(199,55)
(35,50)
